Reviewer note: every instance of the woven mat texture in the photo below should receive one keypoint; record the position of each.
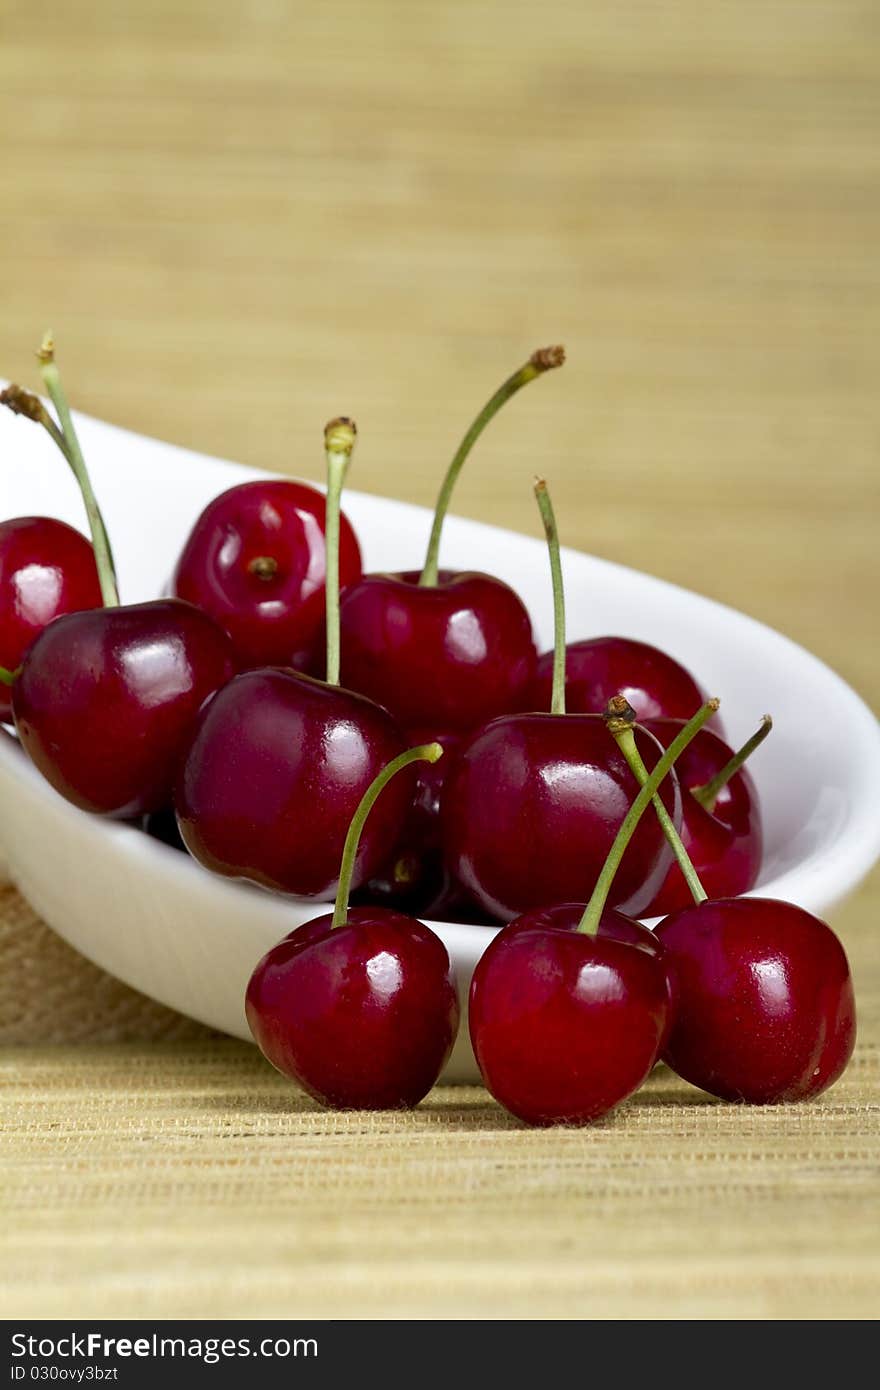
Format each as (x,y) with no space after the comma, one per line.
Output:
(242,218)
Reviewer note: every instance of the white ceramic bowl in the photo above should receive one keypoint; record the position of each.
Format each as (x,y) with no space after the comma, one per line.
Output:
(155,919)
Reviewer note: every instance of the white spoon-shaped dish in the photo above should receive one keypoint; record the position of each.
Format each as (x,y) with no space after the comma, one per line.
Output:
(160,922)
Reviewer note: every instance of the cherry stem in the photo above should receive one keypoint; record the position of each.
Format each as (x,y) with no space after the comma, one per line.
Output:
(263,567)
(22,402)
(543,360)
(74,455)
(339,438)
(425,753)
(708,793)
(557,701)
(8,677)
(589,923)
(619,719)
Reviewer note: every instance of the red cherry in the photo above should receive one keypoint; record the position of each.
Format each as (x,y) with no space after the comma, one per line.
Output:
(106,701)
(569,1006)
(256,561)
(765,1008)
(725,843)
(274,774)
(438,648)
(565,1025)
(451,654)
(362,1016)
(46,569)
(360,1006)
(601,667)
(613,926)
(532,803)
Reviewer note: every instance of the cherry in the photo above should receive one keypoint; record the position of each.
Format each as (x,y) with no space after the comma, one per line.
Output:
(766,1011)
(531,807)
(256,561)
(601,667)
(569,1006)
(46,569)
(358,1006)
(279,760)
(565,1026)
(457,652)
(532,802)
(720,820)
(443,648)
(105,699)
(275,770)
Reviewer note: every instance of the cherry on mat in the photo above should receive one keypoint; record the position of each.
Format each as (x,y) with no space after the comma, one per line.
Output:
(570,1006)
(358,1006)
(765,1008)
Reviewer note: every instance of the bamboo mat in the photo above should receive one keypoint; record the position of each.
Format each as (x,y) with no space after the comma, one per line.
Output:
(242,218)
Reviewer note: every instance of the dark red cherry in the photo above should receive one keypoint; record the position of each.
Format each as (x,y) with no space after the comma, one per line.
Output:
(438,648)
(276,769)
(256,561)
(765,1009)
(601,667)
(363,1015)
(724,844)
(613,926)
(531,805)
(107,699)
(448,655)
(566,1025)
(46,569)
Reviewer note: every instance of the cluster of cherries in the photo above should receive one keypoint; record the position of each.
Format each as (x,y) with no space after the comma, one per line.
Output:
(326,733)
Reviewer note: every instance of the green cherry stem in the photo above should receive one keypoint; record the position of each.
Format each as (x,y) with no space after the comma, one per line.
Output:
(708,793)
(8,677)
(589,923)
(543,360)
(425,753)
(74,455)
(339,438)
(25,403)
(557,702)
(619,719)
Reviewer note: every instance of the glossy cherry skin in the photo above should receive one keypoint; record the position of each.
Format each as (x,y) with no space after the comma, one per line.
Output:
(276,768)
(601,667)
(46,569)
(565,1026)
(725,844)
(106,701)
(450,656)
(531,806)
(765,1008)
(613,926)
(363,1016)
(273,613)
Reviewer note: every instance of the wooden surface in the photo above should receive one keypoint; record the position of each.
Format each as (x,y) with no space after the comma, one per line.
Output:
(242,218)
